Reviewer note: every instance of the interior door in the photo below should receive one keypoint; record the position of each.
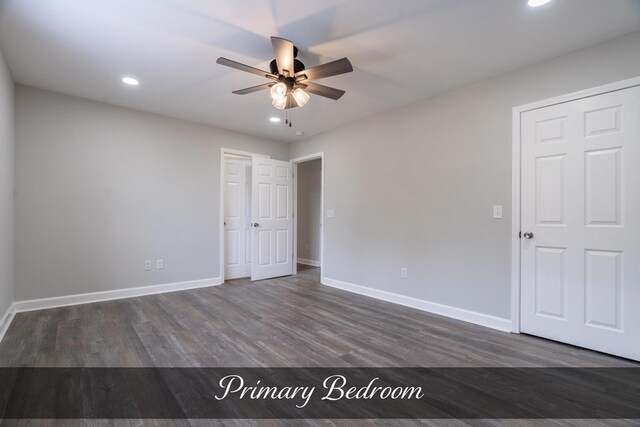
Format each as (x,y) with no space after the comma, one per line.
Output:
(237,218)
(272,213)
(580,245)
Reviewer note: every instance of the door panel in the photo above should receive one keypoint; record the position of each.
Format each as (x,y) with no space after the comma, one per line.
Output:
(272,218)
(282,246)
(602,288)
(233,249)
(550,190)
(551,282)
(264,247)
(580,271)
(236,219)
(602,180)
(247,219)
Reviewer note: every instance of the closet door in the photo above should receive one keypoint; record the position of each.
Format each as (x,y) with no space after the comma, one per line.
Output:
(272,213)
(237,216)
(580,242)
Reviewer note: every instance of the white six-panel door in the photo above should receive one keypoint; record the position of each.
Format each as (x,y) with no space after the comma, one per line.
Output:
(272,199)
(580,266)
(237,219)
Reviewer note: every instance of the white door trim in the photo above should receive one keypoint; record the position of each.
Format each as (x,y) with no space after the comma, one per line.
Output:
(221,247)
(516,179)
(295,162)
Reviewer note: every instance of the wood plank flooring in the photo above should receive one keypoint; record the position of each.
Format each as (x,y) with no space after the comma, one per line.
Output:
(287,322)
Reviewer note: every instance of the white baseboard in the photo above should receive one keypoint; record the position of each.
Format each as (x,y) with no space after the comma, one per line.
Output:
(5,321)
(44,303)
(310,262)
(424,305)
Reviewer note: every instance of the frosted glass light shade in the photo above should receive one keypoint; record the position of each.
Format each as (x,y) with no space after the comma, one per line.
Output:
(279,103)
(301,97)
(278,90)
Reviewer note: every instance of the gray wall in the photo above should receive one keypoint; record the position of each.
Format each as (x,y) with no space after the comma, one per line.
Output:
(415,187)
(101,188)
(309,197)
(6,188)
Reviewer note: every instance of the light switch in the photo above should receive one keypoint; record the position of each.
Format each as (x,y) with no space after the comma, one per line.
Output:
(331,213)
(497,212)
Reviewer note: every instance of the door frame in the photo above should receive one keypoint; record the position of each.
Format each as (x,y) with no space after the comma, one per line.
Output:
(221,241)
(296,161)
(517,179)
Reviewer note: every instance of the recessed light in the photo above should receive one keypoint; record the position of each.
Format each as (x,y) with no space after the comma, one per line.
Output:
(299,133)
(130,81)
(536,3)
(275,119)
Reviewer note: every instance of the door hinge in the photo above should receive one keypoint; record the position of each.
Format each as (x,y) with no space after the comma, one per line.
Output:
(520,235)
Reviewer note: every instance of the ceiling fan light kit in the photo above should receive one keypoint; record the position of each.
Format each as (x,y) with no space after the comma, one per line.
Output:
(291,81)
(301,97)
(279,103)
(279,90)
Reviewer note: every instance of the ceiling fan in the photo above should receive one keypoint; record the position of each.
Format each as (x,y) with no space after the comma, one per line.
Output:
(290,80)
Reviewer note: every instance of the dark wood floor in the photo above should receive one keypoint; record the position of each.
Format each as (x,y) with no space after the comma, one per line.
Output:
(287,322)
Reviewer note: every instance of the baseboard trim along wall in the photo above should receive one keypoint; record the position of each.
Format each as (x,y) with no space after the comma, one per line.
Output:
(44,303)
(54,302)
(424,305)
(309,262)
(5,321)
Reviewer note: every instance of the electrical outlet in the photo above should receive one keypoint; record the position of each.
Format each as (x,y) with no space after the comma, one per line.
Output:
(159,264)
(147,265)
(404,272)
(497,212)
(331,213)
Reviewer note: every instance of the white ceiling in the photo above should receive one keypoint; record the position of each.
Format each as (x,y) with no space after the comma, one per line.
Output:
(401,50)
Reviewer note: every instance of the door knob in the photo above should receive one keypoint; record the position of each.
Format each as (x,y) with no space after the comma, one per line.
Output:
(528,235)
(255,224)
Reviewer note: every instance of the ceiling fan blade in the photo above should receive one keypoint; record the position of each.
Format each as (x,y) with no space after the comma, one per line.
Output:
(326,91)
(283,51)
(334,68)
(253,89)
(246,68)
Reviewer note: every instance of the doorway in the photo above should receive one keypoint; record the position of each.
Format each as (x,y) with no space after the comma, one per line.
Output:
(256,211)
(308,211)
(577,219)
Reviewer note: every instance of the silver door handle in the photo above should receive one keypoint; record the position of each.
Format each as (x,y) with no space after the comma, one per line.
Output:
(528,235)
